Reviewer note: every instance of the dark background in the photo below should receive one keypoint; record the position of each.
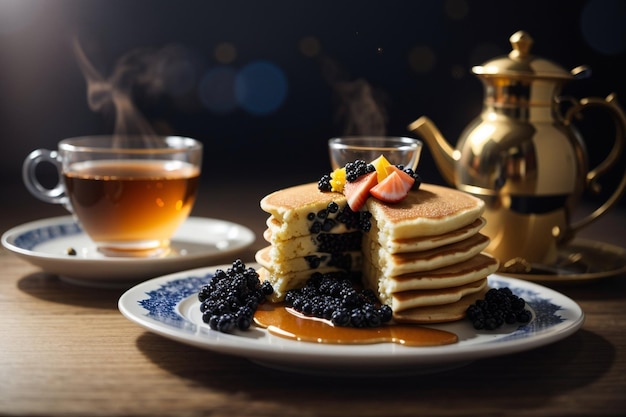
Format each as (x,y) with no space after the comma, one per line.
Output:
(323,58)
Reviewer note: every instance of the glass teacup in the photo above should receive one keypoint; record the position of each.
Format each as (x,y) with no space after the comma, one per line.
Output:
(397,150)
(129,193)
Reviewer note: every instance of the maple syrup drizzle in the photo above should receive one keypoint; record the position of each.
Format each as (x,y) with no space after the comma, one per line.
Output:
(288,323)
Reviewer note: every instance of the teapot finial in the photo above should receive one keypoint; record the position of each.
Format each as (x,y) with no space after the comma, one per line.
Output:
(521,42)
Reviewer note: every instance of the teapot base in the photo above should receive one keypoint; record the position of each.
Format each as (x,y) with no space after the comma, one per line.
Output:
(578,261)
(527,236)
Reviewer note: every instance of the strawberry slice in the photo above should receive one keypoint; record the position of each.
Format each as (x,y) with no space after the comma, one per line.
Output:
(405,177)
(393,188)
(358,192)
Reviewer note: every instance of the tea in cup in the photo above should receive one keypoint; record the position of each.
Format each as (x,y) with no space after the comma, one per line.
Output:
(128,193)
(397,150)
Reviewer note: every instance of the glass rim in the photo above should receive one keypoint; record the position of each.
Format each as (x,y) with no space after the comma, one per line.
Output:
(149,144)
(374,142)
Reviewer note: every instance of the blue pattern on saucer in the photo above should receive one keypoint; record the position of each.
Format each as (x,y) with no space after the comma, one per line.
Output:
(32,238)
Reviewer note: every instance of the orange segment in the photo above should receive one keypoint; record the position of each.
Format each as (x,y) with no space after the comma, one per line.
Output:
(381,163)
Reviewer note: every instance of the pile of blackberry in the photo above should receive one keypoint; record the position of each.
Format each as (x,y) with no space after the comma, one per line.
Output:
(332,296)
(499,306)
(324,183)
(231,298)
(332,216)
(340,260)
(353,171)
(358,168)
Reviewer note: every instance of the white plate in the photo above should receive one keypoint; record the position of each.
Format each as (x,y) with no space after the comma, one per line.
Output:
(169,307)
(198,242)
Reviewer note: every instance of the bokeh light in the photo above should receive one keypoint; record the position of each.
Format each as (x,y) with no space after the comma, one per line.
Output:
(456,9)
(260,87)
(225,53)
(309,46)
(217,90)
(603,25)
(422,59)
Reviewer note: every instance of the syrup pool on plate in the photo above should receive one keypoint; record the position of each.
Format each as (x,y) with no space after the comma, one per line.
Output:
(288,323)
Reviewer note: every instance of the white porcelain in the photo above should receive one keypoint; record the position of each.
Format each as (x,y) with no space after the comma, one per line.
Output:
(198,242)
(168,306)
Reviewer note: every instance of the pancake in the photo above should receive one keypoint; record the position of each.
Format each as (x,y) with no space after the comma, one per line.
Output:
(294,210)
(442,313)
(282,251)
(431,211)
(342,261)
(461,273)
(427,242)
(407,300)
(275,231)
(402,263)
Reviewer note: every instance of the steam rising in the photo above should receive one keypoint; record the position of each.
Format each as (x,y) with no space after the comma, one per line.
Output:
(362,113)
(153,70)
(359,106)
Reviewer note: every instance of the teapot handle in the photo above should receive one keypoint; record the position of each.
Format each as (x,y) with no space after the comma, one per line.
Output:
(610,104)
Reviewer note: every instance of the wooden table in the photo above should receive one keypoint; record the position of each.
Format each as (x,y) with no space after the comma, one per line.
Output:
(67,351)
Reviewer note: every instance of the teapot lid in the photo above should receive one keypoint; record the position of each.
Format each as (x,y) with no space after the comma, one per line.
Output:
(520,63)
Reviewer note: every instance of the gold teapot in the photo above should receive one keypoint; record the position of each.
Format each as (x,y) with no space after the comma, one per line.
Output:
(523,156)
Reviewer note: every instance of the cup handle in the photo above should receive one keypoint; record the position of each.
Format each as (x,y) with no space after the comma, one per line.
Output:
(591,181)
(54,195)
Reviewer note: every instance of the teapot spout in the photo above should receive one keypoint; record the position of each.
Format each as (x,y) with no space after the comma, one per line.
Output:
(443,153)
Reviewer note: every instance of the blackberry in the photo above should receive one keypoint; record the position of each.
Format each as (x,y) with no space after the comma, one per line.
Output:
(341,260)
(333,242)
(499,306)
(266,288)
(231,297)
(333,297)
(358,168)
(340,317)
(313,261)
(414,175)
(316,227)
(329,218)
(324,183)
(523,316)
(328,225)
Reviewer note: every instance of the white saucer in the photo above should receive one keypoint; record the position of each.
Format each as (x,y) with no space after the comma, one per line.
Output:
(198,242)
(169,306)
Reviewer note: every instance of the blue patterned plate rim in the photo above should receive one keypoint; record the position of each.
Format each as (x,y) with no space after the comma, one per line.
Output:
(168,306)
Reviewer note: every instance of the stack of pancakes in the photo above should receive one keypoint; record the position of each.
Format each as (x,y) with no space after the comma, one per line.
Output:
(308,231)
(422,256)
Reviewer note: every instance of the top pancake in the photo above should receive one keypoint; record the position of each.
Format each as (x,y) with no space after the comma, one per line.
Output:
(290,207)
(432,210)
